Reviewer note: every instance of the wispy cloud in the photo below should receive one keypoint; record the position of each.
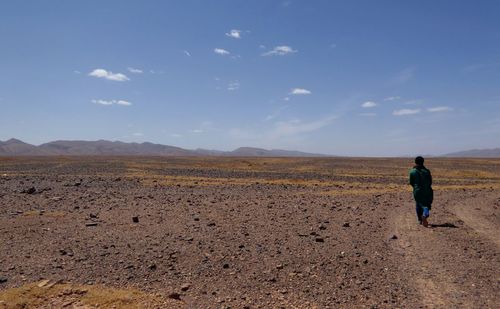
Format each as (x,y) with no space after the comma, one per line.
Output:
(175,135)
(392,98)
(234,33)
(137,134)
(294,127)
(101,73)
(197,131)
(406,111)
(134,70)
(369,104)
(480,66)
(221,51)
(280,51)
(403,76)
(439,109)
(233,86)
(187,53)
(111,102)
(300,91)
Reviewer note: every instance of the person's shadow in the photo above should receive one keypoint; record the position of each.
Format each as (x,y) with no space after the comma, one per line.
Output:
(447,224)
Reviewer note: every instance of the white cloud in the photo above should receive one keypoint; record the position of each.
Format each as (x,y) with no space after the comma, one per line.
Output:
(406,111)
(286,99)
(300,91)
(221,51)
(111,102)
(187,53)
(368,114)
(135,71)
(392,98)
(369,104)
(102,102)
(123,102)
(234,33)
(438,109)
(101,73)
(137,134)
(175,135)
(280,51)
(77,72)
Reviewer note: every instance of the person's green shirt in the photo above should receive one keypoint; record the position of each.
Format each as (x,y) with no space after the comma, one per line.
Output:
(421,181)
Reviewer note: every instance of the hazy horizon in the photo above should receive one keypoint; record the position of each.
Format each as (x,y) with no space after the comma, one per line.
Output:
(381,78)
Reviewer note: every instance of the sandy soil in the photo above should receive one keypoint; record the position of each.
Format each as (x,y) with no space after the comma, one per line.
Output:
(246,233)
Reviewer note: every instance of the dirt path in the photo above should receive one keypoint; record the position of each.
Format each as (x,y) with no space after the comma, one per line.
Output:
(483,221)
(453,259)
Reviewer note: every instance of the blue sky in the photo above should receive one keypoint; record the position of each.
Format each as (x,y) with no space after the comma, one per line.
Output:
(365,78)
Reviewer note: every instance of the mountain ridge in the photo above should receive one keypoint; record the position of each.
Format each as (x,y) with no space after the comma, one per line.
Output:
(15,147)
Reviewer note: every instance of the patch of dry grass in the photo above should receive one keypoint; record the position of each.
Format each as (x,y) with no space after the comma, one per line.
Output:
(46,295)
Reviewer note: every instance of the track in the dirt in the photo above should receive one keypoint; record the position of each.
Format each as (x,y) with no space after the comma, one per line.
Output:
(254,232)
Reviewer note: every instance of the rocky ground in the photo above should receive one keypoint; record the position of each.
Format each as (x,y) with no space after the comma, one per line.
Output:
(249,232)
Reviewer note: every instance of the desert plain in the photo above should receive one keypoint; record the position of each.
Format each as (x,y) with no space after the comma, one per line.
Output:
(219,232)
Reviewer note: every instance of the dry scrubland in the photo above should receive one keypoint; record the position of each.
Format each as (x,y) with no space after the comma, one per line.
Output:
(245,233)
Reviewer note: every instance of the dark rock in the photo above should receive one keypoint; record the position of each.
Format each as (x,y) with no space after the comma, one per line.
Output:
(3,280)
(135,219)
(31,190)
(91,224)
(174,295)
(225,266)
(346,224)
(394,237)
(320,239)
(185,287)
(152,267)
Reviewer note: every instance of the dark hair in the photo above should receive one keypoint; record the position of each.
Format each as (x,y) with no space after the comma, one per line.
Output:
(419,160)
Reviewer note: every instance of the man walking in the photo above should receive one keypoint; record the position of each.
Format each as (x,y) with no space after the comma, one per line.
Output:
(421,181)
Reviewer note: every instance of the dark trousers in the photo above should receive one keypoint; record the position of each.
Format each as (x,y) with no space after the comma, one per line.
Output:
(420,211)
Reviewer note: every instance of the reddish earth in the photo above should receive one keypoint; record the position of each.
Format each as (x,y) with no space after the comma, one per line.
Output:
(246,233)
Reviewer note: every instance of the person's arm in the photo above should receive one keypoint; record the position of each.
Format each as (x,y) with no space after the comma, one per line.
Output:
(430,178)
(412,178)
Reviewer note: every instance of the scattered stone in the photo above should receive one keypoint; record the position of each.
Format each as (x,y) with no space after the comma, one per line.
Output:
(346,224)
(394,237)
(91,224)
(320,239)
(185,287)
(174,295)
(225,266)
(135,219)
(93,216)
(152,266)
(279,266)
(3,280)
(322,227)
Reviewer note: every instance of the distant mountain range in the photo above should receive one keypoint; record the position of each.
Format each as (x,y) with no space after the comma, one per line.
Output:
(477,153)
(15,147)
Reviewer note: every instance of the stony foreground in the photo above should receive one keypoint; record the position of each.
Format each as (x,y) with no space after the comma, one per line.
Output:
(246,233)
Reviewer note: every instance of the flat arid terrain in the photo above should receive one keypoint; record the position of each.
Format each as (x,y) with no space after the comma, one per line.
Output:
(143,232)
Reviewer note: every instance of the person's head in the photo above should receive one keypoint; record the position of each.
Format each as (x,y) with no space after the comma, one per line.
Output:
(419,160)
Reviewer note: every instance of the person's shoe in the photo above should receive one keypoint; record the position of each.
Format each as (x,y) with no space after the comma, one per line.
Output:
(424,222)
